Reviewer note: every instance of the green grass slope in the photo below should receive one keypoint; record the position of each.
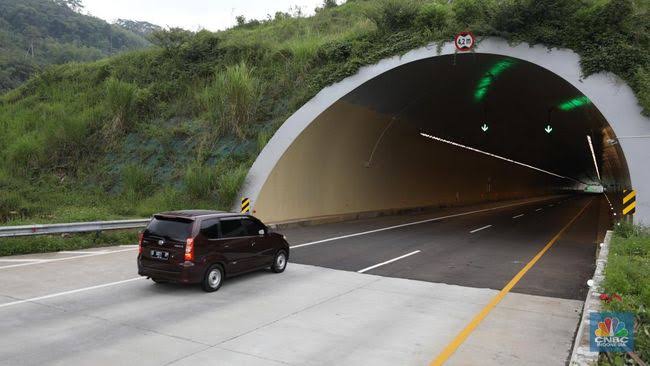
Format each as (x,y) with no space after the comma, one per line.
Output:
(627,274)
(38,33)
(178,125)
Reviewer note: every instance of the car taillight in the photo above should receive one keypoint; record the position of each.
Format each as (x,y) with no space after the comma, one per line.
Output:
(189,249)
(140,237)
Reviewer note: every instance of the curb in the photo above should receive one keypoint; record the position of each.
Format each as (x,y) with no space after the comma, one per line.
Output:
(581,355)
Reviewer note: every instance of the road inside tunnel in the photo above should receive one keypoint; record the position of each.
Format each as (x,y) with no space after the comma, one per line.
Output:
(445,131)
(482,249)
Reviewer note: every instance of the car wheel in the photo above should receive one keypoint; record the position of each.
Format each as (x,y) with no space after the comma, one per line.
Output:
(279,262)
(213,278)
(159,281)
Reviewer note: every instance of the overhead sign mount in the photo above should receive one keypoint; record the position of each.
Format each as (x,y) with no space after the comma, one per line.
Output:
(464,41)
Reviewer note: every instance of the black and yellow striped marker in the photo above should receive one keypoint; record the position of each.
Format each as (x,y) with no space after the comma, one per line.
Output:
(629,202)
(245,205)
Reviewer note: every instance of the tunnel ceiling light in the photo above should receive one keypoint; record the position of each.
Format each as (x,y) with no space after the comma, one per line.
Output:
(496,156)
(593,156)
(489,77)
(574,103)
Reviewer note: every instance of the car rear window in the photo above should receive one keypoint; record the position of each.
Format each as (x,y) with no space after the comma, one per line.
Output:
(169,228)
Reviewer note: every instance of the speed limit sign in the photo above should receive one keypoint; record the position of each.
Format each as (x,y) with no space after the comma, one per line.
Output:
(464,41)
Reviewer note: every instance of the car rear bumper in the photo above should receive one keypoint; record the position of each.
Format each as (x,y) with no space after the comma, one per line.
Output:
(189,273)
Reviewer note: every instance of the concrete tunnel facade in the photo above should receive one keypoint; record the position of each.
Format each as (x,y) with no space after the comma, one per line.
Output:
(360,145)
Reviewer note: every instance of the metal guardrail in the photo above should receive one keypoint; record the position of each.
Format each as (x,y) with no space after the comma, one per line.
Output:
(77,227)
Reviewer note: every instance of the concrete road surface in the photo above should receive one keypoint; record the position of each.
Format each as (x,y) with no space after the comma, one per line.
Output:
(422,282)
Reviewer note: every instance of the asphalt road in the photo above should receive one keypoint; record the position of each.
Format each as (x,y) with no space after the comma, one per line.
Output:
(484,249)
(90,307)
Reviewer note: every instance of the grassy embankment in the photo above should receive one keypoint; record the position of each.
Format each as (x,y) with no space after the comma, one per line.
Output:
(178,125)
(628,274)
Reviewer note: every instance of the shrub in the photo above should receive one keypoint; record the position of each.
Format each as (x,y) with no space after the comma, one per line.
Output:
(472,13)
(233,98)
(394,15)
(167,199)
(643,81)
(230,182)
(200,180)
(121,100)
(10,204)
(263,137)
(136,180)
(433,16)
(25,154)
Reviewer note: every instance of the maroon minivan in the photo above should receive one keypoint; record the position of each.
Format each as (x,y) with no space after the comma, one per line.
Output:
(201,246)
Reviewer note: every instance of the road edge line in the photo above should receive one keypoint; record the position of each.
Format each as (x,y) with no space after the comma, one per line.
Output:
(460,338)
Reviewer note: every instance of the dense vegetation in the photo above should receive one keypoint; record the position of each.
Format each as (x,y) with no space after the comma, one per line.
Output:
(179,125)
(37,33)
(627,274)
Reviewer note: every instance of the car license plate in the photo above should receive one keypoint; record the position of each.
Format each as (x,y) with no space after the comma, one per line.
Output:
(159,254)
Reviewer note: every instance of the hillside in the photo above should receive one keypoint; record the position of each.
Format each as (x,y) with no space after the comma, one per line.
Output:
(38,33)
(178,125)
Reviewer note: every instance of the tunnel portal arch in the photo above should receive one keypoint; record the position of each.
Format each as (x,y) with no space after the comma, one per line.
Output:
(274,201)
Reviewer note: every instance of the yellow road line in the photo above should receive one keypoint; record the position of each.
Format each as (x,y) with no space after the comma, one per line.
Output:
(462,336)
(629,196)
(629,208)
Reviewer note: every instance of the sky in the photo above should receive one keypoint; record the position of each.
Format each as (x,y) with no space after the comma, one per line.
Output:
(192,14)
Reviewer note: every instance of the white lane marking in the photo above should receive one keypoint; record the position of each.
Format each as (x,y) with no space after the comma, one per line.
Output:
(539,209)
(79,252)
(21,260)
(412,223)
(479,229)
(7,304)
(388,261)
(44,261)
(518,216)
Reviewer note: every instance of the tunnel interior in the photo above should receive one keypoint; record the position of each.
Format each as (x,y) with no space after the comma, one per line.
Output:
(447,130)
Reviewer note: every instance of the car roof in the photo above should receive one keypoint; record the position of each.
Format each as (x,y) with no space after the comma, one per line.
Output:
(195,213)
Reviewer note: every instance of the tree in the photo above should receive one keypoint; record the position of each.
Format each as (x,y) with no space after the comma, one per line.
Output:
(327,4)
(241,20)
(74,5)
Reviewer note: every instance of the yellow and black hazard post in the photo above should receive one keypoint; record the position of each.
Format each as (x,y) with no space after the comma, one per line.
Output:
(629,203)
(246,205)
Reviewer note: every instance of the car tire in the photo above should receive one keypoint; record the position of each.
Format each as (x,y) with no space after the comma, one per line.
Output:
(213,278)
(279,262)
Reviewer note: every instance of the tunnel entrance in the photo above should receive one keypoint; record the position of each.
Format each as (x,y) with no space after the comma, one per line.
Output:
(443,130)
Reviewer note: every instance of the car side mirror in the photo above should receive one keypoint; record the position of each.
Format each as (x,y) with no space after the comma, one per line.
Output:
(262,232)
